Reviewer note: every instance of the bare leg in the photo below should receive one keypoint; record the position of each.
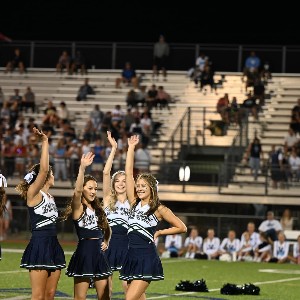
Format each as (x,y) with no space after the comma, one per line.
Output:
(136,290)
(51,285)
(100,285)
(81,286)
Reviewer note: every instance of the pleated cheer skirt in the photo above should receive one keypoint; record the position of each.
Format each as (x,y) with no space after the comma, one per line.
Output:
(142,264)
(88,260)
(117,251)
(43,253)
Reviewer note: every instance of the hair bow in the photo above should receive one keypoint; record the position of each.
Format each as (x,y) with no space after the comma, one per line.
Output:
(29,176)
(156,185)
(3,182)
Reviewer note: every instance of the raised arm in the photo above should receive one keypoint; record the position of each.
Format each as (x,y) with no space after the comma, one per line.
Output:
(77,208)
(132,142)
(107,169)
(35,187)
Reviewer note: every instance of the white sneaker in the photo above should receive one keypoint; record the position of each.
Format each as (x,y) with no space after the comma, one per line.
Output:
(187,255)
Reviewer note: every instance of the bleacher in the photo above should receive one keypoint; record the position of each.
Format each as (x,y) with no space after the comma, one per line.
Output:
(271,128)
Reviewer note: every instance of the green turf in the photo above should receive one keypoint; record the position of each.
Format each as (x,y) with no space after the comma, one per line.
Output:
(215,273)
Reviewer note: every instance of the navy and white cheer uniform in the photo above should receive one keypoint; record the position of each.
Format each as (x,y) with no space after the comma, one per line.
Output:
(118,245)
(43,251)
(142,261)
(88,260)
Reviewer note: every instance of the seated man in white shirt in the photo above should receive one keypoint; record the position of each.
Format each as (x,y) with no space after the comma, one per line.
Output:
(270,227)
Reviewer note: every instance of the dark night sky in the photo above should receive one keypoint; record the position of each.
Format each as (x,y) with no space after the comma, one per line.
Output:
(138,21)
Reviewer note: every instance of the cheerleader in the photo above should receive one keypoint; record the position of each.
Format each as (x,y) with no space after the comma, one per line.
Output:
(116,207)
(88,260)
(142,264)
(43,257)
(3,198)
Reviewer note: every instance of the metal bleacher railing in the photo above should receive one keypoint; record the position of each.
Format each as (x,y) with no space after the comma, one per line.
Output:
(112,55)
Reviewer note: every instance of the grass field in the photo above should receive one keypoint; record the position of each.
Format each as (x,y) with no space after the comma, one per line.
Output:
(275,281)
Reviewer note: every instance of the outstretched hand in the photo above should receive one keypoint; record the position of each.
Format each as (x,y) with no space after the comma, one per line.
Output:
(40,134)
(87,159)
(133,140)
(111,140)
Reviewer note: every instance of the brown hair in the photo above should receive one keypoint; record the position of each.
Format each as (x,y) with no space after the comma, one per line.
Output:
(96,205)
(113,194)
(154,202)
(23,186)
(2,201)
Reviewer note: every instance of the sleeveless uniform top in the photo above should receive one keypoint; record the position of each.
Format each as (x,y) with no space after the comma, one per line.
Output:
(118,219)
(43,216)
(87,227)
(141,227)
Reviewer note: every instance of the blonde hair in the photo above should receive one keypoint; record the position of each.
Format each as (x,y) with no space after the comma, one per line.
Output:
(113,194)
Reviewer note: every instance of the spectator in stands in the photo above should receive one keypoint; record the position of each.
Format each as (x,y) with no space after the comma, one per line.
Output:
(266,73)
(16,98)
(99,152)
(207,78)
(193,244)
(17,61)
(287,220)
(63,113)
(173,244)
(2,98)
(7,215)
(142,159)
(131,98)
(146,124)
(85,90)
(294,166)
(8,155)
(211,245)
(295,258)
(250,106)
(229,247)
(252,64)
(162,99)
(280,250)
(233,112)
(78,63)
(151,97)
(63,63)
(160,57)
(223,108)
(277,166)
(263,250)
(60,165)
(28,100)
(259,92)
(20,153)
(290,141)
(128,76)
(255,154)
(195,72)
(97,116)
(270,226)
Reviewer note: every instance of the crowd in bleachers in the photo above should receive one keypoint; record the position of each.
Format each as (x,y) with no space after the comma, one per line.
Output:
(267,244)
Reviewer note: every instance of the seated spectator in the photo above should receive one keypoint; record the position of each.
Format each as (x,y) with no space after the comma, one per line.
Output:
(250,106)
(131,98)
(151,97)
(223,108)
(211,245)
(28,100)
(259,92)
(254,236)
(246,251)
(280,250)
(97,116)
(287,220)
(207,78)
(17,61)
(173,244)
(271,227)
(16,98)
(294,165)
(193,244)
(162,98)
(85,90)
(290,141)
(63,112)
(233,112)
(63,63)
(295,258)
(128,76)
(229,247)
(263,250)
(195,72)
(78,63)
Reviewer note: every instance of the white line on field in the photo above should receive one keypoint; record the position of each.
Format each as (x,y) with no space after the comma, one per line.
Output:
(168,296)
(17,271)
